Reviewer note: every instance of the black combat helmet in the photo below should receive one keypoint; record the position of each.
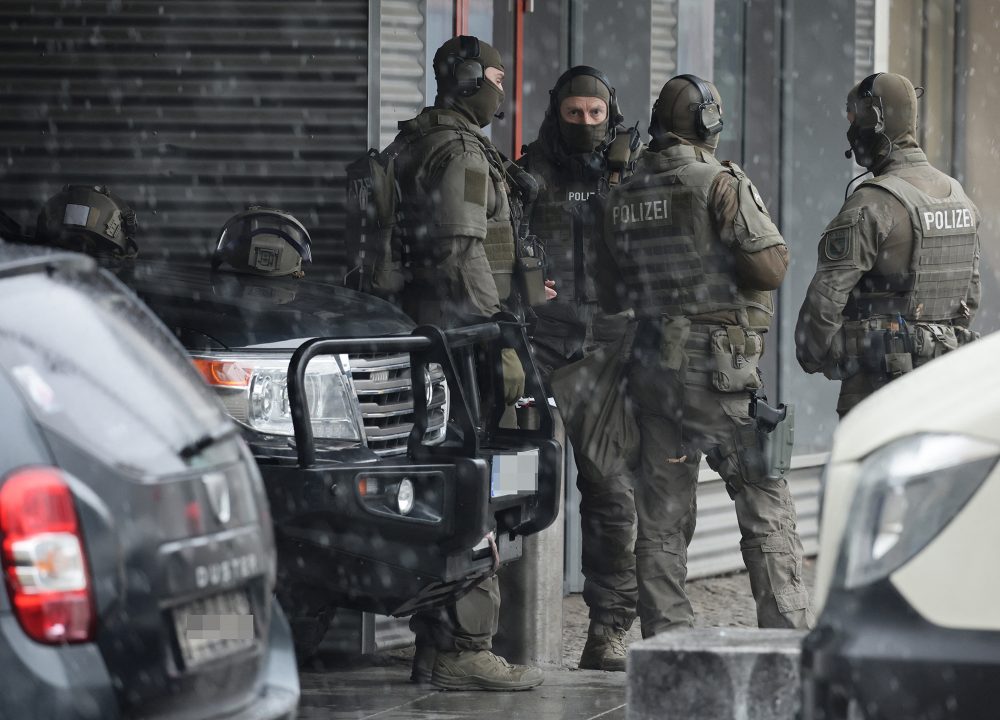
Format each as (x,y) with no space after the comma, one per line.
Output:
(263,241)
(89,219)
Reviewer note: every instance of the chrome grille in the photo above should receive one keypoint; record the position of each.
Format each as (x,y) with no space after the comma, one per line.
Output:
(385,394)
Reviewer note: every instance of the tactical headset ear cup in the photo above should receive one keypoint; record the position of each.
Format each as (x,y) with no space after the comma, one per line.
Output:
(879,118)
(709,112)
(467,77)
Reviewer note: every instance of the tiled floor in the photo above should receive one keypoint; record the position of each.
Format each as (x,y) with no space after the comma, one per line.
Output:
(383,691)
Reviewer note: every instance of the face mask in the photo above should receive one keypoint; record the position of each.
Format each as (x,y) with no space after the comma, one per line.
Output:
(481,107)
(582,138)
(862,145)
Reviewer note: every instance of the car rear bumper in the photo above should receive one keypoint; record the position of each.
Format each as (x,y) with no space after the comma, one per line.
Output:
(72,682)
(52,681)
(871,656)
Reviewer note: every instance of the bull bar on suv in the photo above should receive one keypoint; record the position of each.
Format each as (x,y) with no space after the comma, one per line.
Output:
(401,534)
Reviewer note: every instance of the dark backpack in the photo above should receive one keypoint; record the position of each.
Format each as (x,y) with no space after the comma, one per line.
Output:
(374,253)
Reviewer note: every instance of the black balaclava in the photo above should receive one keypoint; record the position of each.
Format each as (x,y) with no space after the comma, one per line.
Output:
(482,104)
(580,138)
(676,111)
(884,121)
(575,147)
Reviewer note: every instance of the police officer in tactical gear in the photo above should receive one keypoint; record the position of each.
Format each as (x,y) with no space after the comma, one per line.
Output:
(263,241)
(458,252)
(689,244)
(582,149)
(89,219)
(897,278)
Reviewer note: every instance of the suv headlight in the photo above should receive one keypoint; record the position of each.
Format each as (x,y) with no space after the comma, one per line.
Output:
(908,492)
(254,390)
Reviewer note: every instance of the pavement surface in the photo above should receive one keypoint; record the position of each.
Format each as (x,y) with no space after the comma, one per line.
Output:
(337,687)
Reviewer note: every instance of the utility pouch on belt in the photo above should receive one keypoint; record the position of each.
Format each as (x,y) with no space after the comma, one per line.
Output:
(931,340)
(775,433)
(674,333)
(735,354)
(888,352)
(964,336)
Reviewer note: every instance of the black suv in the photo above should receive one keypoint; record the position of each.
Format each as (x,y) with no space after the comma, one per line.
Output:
(392,484)
(135,539)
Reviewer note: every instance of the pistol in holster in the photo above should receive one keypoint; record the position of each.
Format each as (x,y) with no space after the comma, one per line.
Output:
(775,435)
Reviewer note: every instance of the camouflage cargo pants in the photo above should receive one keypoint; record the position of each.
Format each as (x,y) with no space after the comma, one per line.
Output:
(666,503)
(467,624)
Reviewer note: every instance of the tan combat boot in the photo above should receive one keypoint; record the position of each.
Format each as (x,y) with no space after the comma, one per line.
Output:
(605,648)
(482,670)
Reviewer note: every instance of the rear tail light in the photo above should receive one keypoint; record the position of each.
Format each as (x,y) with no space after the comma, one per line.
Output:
(42,557)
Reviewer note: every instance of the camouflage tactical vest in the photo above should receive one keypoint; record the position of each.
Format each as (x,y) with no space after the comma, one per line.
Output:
(944,248)
(433,139)
(661,234)
(559,213)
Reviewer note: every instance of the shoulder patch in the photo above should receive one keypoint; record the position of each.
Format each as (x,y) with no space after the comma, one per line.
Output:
(839,244)
(755,194)
(475,186)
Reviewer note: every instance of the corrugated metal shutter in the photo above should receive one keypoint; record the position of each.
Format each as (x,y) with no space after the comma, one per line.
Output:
(864,38)
(188,109)
(663,35)
(715,548)
(403,40)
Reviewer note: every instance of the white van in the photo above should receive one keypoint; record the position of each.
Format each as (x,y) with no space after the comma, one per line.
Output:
(908,580)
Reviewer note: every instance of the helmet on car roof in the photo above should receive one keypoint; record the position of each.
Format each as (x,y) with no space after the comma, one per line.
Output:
(89,219)
(263,241)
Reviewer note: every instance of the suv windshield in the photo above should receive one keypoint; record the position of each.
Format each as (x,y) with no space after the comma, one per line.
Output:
(99,370)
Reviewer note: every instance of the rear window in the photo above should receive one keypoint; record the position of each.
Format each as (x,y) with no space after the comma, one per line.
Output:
(96,367)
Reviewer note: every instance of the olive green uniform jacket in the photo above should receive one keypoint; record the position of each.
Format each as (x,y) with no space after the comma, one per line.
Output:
(689,245)
(455,218)
(867,248)
(454,205)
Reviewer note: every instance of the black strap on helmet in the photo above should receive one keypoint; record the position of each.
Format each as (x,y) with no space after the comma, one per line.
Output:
(709,121)
(866,88)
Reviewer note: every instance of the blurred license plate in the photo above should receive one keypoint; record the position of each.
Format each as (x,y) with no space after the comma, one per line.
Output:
(214,627)
(514,472)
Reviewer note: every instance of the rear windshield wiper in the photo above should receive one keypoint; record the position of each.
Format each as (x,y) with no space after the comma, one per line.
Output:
(207,440)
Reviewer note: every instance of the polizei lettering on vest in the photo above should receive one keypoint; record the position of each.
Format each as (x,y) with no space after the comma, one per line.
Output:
(639,212)
(950,219)
(573,196)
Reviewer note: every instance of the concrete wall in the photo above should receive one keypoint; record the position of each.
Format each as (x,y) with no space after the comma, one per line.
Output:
(818,70)
(615,38)
(981,147)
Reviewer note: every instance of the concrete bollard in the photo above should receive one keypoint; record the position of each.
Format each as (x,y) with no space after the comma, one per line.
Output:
(715,674)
